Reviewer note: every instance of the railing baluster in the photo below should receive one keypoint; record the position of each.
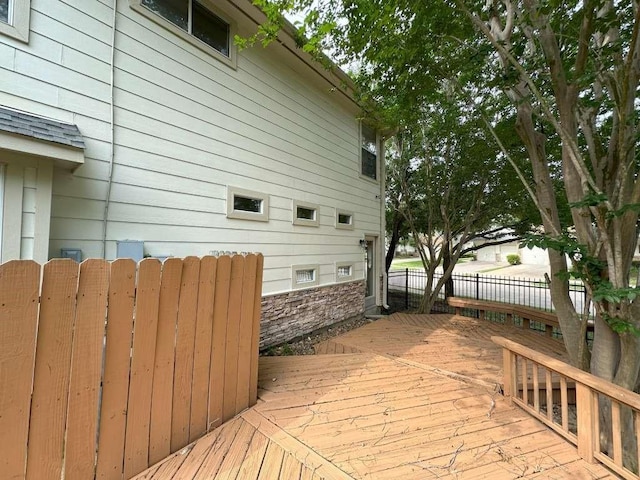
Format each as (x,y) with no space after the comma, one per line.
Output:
(536,387)
(549,385)
(616,433)
(525,381)
(636,416)
(564,404)
(584,403)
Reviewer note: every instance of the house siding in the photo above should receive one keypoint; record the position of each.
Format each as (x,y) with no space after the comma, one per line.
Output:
(186,126)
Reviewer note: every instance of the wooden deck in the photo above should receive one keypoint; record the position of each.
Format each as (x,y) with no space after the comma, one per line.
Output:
(450,343)
(366,415)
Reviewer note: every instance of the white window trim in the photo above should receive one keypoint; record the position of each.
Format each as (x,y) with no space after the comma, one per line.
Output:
(378,161)
(231,60)
(263,216)
(304,221)
(18,26)
(294,276)
(344,226)
(345,278)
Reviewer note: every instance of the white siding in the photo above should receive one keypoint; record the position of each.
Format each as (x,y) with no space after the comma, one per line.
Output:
(186,127)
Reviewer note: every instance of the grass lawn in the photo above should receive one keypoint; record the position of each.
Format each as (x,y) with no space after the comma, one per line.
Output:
(402,263)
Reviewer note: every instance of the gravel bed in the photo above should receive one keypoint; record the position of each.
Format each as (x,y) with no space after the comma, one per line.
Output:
(304,346)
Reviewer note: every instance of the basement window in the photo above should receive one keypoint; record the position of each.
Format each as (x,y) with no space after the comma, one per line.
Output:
(247,204)
(344,271)
(304,276)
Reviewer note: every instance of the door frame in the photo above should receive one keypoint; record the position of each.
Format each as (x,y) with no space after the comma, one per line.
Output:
(372,300)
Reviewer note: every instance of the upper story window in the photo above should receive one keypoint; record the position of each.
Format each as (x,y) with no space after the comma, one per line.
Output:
(14,18)
(369,160)
(193,20)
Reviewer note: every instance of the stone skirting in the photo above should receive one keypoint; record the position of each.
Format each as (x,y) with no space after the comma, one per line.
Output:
(286,316)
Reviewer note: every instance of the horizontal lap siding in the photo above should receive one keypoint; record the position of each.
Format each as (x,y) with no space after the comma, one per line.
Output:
(186,126)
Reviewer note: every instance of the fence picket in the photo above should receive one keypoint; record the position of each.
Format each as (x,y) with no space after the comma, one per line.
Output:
(219,339)
(255,334)
(233,332)
(162,393)
(115,383)
(52,365)
(246,326)
(142,364)
(19,289)
(86,365)
(185,337)
(202,349)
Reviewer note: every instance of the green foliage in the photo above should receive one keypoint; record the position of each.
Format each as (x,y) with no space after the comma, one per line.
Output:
(513,259)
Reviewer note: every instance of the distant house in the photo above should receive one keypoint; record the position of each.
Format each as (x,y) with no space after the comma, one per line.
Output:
(136,128)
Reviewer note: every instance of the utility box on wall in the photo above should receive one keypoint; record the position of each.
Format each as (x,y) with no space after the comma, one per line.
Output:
(133,249)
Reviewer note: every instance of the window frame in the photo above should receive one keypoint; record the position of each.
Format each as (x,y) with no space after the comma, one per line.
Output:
(262,216)
(345,278)
(345,226)
(304,221)
(231,60)
(18,23)
(295,285)
(377,145)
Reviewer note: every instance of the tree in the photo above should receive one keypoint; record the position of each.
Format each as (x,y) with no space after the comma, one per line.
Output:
(449,186)
(569,69)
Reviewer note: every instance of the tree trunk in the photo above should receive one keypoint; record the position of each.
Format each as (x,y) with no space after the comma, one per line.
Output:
(393,242)
(446,266)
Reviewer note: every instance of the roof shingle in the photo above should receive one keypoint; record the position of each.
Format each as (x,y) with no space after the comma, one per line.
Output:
(41,128)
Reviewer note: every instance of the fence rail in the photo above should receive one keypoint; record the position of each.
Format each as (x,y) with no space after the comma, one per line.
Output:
(529,380)
(408,287)
(108,367)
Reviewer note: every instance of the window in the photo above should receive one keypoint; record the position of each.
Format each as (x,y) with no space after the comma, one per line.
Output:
(304,276)
(14,18)
(194,20)
(344,219)
(344,271)
(247,205)
(306,214)
(369,153)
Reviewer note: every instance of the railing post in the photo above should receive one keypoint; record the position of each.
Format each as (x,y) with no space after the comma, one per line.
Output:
(406,289)
(586,422)
(509,374)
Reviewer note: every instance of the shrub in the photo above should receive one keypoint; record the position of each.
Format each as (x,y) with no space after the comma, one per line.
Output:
(513,259)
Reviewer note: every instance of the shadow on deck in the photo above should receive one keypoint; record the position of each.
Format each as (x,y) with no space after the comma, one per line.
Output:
(396,410)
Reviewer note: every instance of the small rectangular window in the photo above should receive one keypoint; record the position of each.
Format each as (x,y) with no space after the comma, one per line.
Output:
(14,19)
(344,220)
(4,11)
(304,276)
(306,214)
(247,205)
(210,28)
(369,153)
(344,271)
(176,11)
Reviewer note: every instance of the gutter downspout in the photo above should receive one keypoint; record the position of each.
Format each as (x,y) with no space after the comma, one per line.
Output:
(112,129)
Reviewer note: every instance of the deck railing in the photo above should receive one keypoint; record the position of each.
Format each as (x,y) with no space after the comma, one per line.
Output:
(108,367)
(529,380)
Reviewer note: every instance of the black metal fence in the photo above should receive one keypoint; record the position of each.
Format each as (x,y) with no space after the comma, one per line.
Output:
(406,288)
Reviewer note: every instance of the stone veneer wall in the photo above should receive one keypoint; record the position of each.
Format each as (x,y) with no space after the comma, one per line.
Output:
(286,316)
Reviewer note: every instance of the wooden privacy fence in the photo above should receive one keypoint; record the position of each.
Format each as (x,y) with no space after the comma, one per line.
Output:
(108,367)
(528,379)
